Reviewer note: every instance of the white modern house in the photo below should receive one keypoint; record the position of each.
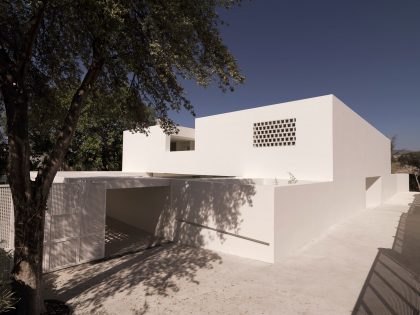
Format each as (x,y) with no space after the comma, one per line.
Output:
(258,183)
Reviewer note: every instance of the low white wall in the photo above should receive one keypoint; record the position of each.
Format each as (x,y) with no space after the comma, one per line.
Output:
(242,217)
(373,191)
(302,212)
(394,183)
(389,186)
(231,217)
(74,225)
(403,182)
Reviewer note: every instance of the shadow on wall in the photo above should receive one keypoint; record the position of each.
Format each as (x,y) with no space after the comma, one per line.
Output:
(209,205)
(74,224)
(156,271)
(393,283)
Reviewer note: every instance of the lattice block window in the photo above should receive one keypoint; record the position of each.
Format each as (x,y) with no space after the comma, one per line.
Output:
(275,133)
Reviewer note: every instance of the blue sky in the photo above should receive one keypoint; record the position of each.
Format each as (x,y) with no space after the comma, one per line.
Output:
(366,52)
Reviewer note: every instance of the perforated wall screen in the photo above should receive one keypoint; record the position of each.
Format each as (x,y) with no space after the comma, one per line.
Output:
(275,133)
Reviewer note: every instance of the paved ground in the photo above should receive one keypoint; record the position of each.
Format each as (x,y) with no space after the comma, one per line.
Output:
(121,238)
(325,277)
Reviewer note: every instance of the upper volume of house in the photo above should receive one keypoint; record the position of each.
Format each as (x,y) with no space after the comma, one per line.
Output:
(316,139)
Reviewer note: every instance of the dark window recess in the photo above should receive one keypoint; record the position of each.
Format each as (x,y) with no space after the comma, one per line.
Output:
(182,145)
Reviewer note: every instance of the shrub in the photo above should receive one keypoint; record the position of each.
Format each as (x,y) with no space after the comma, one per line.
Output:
(7,299)
(413,183)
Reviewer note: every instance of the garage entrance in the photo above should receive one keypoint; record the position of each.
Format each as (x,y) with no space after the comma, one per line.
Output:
(373,191)
(132,216)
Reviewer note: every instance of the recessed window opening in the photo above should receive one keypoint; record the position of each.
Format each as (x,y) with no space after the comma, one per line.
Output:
(181,144)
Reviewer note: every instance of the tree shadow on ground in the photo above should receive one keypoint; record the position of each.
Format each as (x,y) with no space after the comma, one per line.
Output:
(154,271)
(393,283)
(158,270)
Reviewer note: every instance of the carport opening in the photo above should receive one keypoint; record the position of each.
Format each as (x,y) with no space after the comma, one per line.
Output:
(373,191)
(132,217)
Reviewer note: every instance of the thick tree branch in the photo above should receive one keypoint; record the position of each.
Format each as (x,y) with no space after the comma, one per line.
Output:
(53,162)
(416,176)
(29,40)
(17,131)
(6,66)
(4,40)
(12,81)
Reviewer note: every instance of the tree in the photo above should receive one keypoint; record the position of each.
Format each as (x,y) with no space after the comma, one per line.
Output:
(3,145)
(394,165)
(96,145)
(3,158)
(133,52)
(411,160)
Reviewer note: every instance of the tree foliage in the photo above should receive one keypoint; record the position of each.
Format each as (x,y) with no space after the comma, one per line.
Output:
(97,142)
(143,46)
(65,61)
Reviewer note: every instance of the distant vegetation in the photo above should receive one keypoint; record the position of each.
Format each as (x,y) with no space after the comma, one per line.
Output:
(405,161)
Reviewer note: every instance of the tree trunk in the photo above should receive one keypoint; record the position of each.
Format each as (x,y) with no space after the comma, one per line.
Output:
(416,176)
(28,255)
(28,213)
(30,197)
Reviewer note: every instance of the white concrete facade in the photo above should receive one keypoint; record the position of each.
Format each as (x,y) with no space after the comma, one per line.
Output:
(341,162)
(224,145)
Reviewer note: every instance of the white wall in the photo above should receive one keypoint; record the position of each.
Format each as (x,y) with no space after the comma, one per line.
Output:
(302,213)
(74,225)
(402,182)
(145,152)
(232,216)
(224,145)
(373,191)
(360,151)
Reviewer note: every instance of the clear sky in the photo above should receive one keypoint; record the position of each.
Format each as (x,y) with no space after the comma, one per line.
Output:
(366,52)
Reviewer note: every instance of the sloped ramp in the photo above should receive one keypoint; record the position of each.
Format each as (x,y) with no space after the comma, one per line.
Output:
(393,283)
